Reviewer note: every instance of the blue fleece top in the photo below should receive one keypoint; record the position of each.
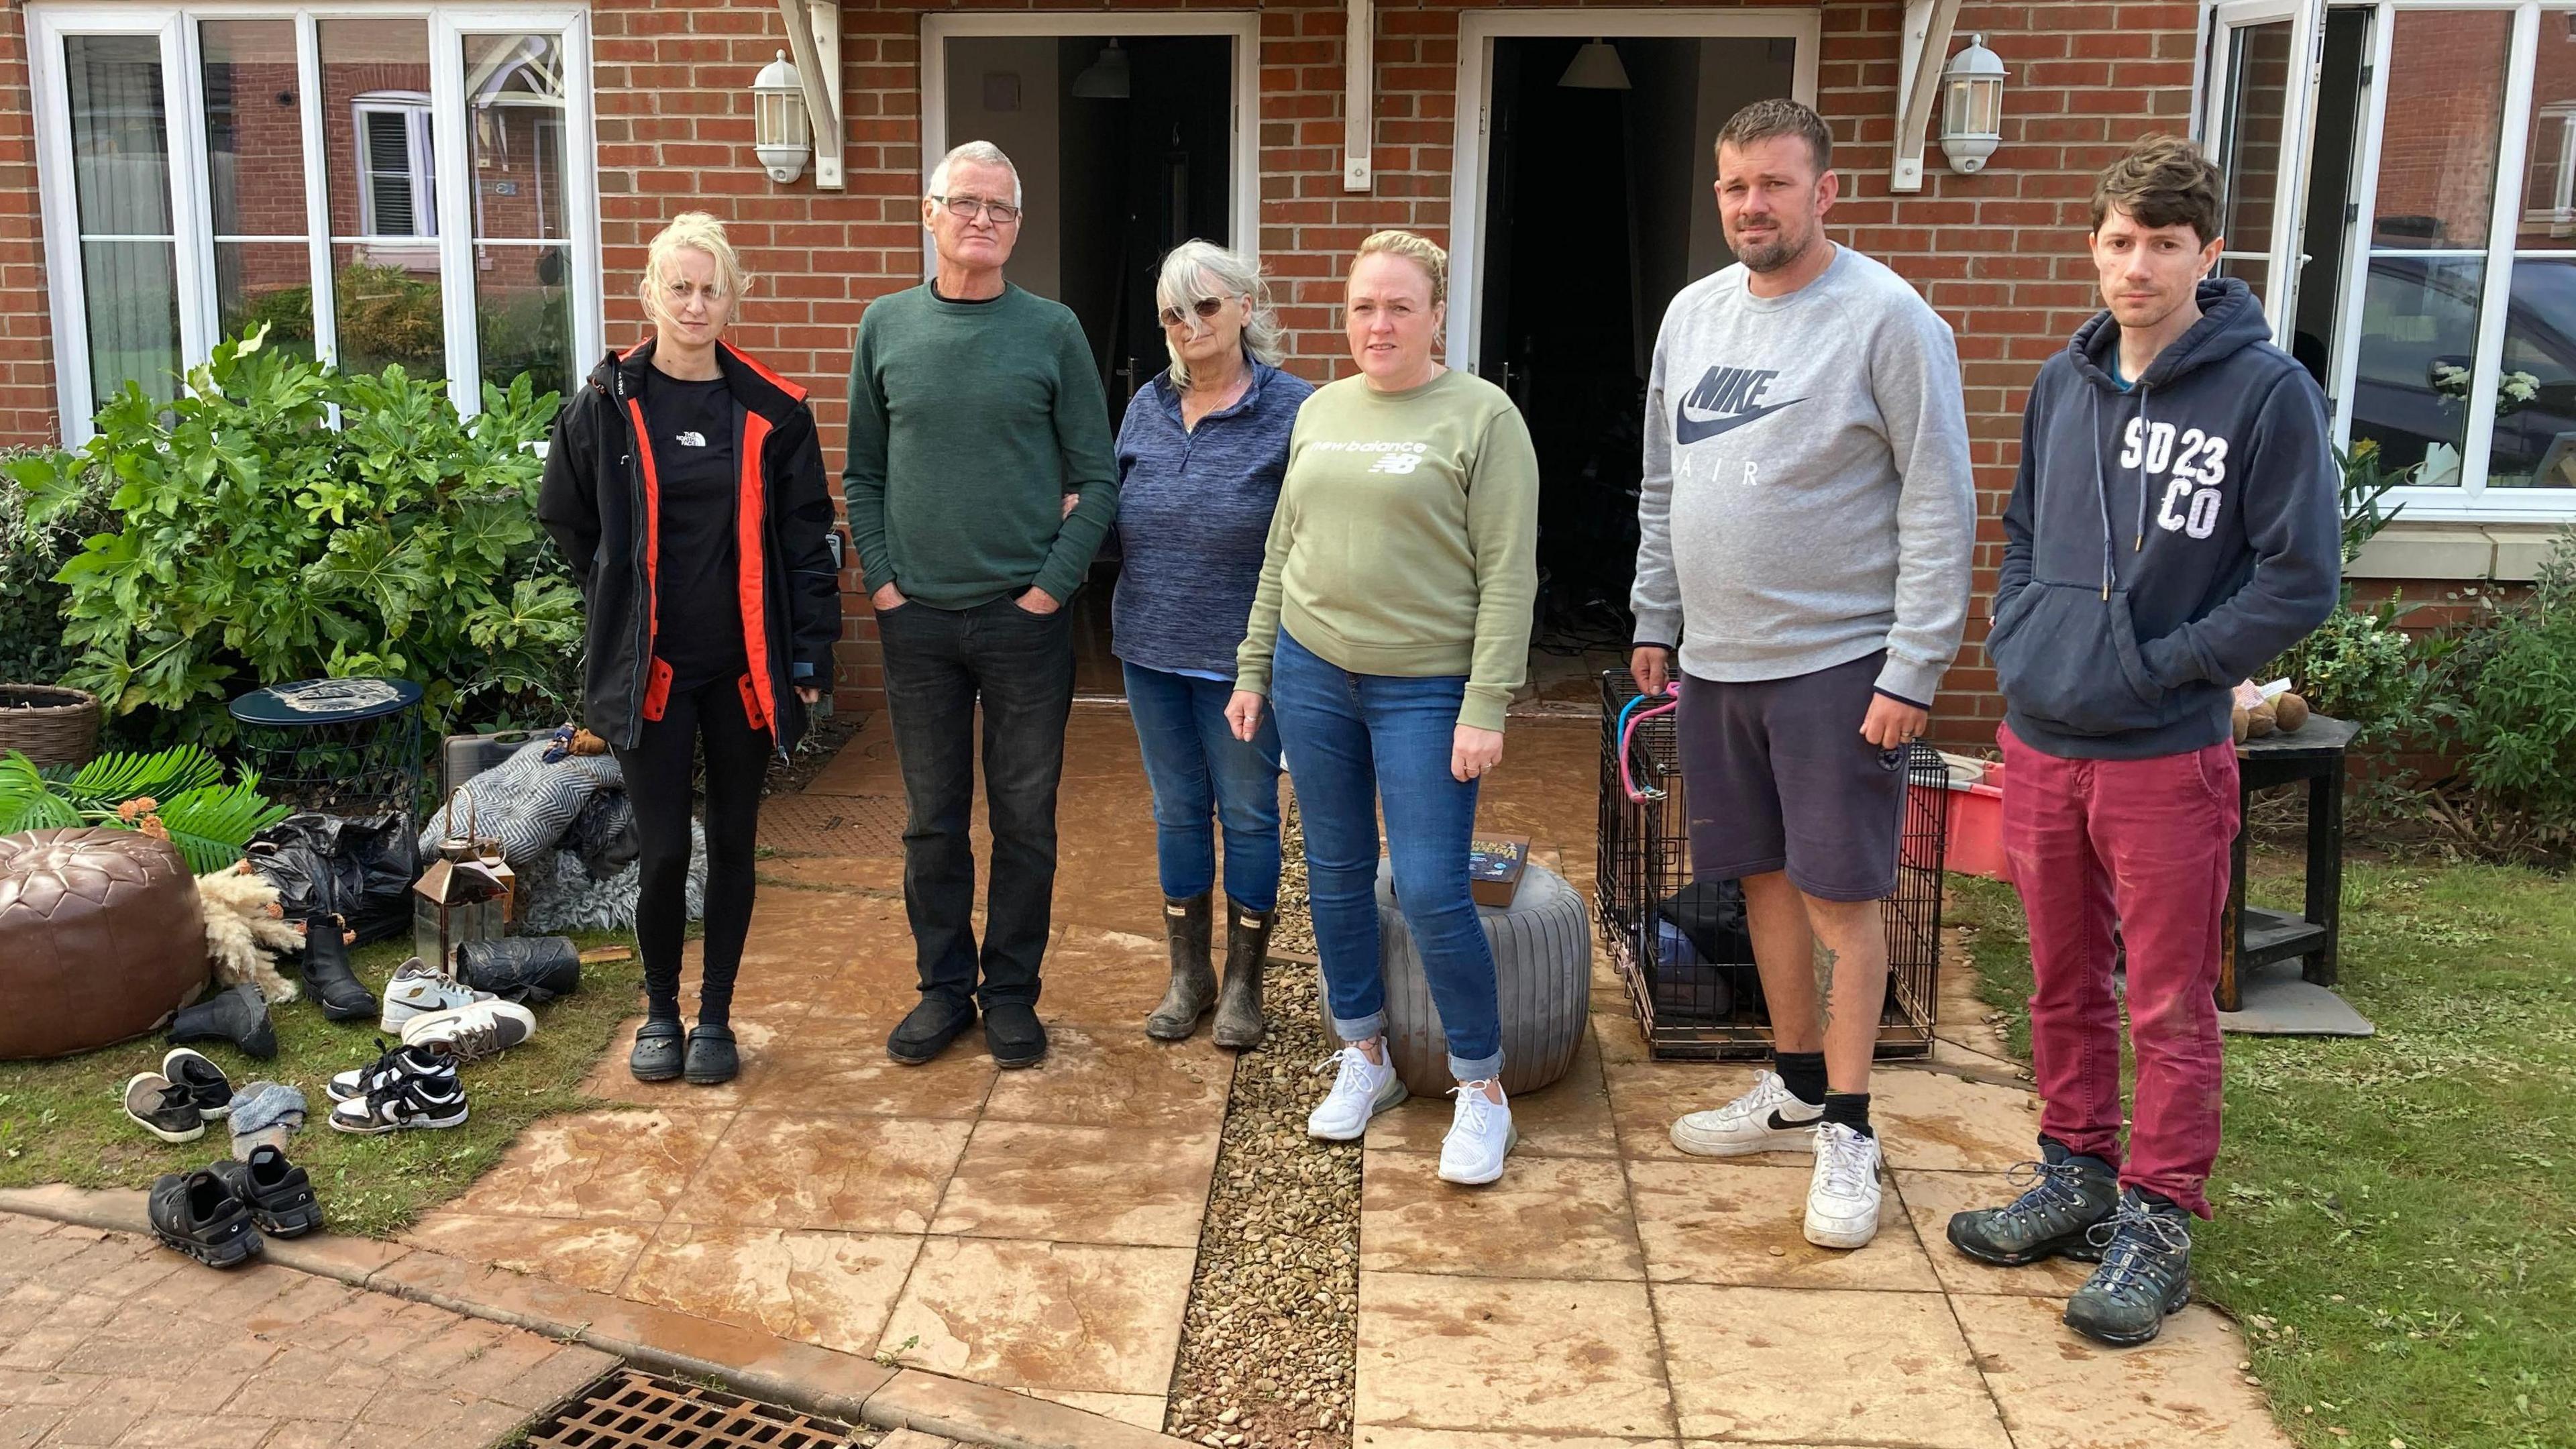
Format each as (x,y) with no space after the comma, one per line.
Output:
(1194,518)
(2162,541)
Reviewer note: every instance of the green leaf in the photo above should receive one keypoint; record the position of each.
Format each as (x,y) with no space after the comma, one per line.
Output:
(212,825)
(27,800)
(114,778)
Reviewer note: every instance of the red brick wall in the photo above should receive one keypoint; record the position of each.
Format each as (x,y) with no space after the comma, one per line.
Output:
(26,354)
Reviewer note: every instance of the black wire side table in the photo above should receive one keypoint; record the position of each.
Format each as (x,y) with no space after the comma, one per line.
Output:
(2251,936)
(341,746)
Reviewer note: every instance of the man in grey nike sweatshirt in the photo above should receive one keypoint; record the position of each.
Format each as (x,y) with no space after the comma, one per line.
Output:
(1804,529)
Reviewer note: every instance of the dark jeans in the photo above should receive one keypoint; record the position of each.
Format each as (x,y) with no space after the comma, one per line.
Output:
(1198,769)
(661,785)
(1353,740)
(939,664)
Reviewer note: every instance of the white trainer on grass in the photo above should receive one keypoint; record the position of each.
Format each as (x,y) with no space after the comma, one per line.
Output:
(416,990)
(472,1033)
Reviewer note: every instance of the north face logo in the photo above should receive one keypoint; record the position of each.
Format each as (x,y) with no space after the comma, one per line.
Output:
(1726,398)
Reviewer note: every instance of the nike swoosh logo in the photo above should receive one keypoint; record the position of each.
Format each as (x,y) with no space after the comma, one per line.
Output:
(1779,1123)
(1688,429)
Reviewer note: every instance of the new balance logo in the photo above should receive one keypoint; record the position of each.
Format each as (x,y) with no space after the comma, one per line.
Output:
(1726,398)
(1397,463)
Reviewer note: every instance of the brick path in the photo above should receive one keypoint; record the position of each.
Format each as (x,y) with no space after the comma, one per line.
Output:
(110,1339)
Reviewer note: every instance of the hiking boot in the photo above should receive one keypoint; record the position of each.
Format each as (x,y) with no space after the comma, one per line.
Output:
(236,1014)
(928,1029)
(712,1060)
(1842,1192)
(2065,1197)
(166,1109)
(206,1083)
(1014,1035)
(423,1059)
(2145,1273)
(278,1194)
(402,1105)
(1769,1118)
(417,990)
(472,1033)
(1361,1089)
(196,1214)
(1193,988)
(1481,1136)
(1247,949)
(325,969)
(658,1055)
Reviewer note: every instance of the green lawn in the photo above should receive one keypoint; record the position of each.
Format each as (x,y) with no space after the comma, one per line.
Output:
(2397,1216)
(64,1120)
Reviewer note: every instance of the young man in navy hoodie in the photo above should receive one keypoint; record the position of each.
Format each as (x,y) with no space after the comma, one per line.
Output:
(2173,528)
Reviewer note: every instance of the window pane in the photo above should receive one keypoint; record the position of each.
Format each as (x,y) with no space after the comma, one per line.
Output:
(130,289)
(2549,164)
(254,127)
(514,91)
(2437,149)
(2419,329)
(269,282)
(523,314)
(387,313)
(2535,428)
(2257,95)
(375,121)
(120,136)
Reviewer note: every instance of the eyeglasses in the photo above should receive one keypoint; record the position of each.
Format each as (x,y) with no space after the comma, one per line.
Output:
(1205,307)
(969,208)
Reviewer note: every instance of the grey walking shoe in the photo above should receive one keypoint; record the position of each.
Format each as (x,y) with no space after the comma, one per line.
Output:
(2066,1197)
(1247,950)
(1193,989)
(2145,1273)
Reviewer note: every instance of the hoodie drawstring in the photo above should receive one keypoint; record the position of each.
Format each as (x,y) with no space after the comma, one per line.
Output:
(2146,434)
(2101,490)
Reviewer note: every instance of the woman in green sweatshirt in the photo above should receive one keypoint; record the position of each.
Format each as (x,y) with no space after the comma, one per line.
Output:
(1390,629)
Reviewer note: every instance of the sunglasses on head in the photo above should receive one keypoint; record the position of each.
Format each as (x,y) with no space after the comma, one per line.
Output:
(1205,307)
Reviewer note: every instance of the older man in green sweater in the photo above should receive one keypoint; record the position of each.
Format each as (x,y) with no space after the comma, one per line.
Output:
(974,413)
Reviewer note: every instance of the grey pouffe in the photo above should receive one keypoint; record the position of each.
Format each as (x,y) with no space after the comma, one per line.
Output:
(1543,977)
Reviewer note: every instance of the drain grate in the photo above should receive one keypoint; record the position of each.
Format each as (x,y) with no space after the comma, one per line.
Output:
(631,1410)
(832,824)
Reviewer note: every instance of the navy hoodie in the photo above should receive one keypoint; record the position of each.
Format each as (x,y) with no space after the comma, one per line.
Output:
(2162,542)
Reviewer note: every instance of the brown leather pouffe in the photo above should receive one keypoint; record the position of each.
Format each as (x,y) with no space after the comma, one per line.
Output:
(101,938)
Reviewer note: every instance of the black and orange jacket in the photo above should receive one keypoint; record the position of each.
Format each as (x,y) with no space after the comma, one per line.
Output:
(601,501)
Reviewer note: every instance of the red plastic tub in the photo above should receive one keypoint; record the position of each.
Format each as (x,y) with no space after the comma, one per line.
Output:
(1976,834)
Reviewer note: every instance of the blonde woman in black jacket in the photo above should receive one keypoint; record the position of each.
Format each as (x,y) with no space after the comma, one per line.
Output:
(684,485)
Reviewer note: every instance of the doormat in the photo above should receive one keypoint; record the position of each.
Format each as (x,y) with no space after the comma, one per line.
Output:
(832,824)
(2275,1000)
(632,1410)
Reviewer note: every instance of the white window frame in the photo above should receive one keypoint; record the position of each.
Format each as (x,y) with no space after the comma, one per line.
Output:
(414,108)
(448,26)
(2471,500)
(1477,32)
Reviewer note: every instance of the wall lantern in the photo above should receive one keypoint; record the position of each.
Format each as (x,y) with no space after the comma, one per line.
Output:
(780,130)
(1972,106)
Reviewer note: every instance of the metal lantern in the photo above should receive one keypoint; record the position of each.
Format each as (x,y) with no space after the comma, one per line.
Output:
(467,894)
(781,131)
(1972,106)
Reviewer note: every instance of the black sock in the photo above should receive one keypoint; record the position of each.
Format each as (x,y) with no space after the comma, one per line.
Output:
(1804,1074)
(661,1001)
(2155,1201)
(713,1011)
(1850,1109)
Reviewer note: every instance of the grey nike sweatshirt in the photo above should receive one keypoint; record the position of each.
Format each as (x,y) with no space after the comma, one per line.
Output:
(1807,497)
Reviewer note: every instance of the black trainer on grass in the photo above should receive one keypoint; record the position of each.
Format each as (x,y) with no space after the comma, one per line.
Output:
(278,1194)
(196,1214)
(206,1082)
(396,1064)
(164,1108)
(401,1105)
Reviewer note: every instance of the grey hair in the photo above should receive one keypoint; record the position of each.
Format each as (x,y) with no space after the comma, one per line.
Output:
(1187,271)
(974,153)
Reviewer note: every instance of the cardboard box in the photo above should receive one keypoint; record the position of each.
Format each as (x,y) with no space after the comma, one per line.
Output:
(1495,864)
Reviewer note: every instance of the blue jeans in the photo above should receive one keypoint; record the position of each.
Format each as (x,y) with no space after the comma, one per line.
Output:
(1352,740)
(1198,769)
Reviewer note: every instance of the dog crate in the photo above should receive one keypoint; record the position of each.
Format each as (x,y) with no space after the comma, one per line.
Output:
(1681,946)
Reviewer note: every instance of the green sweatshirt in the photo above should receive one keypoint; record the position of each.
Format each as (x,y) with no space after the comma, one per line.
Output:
(1406,540)
(969,422)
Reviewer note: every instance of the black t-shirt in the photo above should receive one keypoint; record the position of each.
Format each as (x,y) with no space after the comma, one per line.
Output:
(698,610)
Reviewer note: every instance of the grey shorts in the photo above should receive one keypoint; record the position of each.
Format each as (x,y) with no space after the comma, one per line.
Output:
(1777,777)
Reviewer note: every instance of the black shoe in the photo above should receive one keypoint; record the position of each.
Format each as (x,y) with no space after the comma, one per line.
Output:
(2067,1197)
(2145,1273)
(200,1217)
(1013,1034)
(656,1057)
(278,1194)
(928,1029)
(237,1015)
(207,1085)
(712,1060)
(164,1108)
(403,1105)
(325,969)
(423,1059)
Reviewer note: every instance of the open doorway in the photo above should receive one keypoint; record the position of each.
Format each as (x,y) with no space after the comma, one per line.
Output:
(1597,208)
(1127,145)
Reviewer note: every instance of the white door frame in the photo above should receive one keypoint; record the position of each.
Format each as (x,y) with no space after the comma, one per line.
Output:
(1477,32)
(2306,19)
(1243,27)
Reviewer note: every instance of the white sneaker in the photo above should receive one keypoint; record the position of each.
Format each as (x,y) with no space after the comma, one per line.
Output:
(1770,1118)
(1842,1198)
(1361,1089)
(484,1029)
(1480,1136)
(417,990)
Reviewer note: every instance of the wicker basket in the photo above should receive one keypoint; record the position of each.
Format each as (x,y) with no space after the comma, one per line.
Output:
(50,724)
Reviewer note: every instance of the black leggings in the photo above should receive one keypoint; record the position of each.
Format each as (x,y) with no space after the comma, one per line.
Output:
(659,780)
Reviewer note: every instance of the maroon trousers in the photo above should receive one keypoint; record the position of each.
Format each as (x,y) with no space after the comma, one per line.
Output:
(2143,843)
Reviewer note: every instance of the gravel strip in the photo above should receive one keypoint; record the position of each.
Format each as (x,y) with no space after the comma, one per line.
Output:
(1270,1339)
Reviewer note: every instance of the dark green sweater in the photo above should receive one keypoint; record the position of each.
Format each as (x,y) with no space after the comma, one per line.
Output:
(969,422)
